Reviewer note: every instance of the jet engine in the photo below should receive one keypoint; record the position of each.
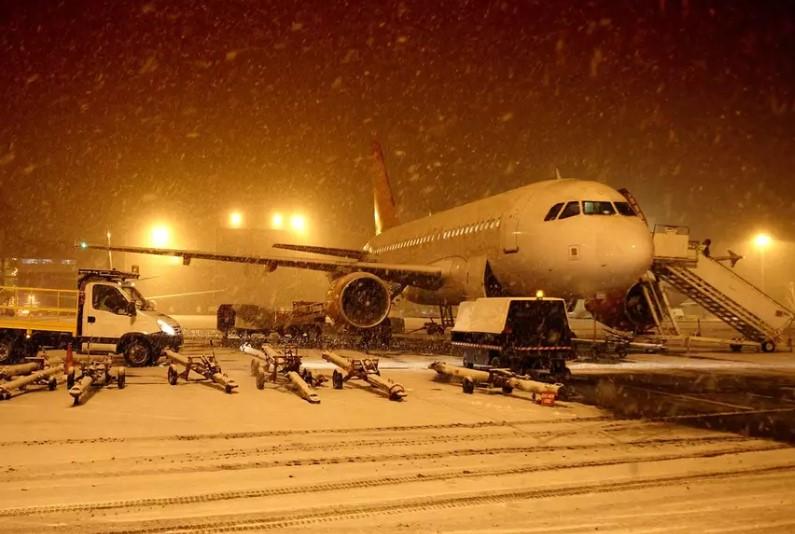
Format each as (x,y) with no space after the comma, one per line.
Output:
(358,299)
(628,311)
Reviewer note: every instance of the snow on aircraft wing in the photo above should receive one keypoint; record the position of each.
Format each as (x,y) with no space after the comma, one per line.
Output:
(328,251)
(424,276)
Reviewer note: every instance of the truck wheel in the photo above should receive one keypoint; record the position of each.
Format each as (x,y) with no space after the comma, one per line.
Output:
(137,353)
(7,347)
(260,381)
(768,346)
(495,362)
(507,390)
(52,383)
(735,347)
(70,379)
(121,378)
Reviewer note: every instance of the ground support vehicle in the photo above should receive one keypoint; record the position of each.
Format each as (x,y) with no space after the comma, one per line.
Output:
(617,344)
(500,379)
(269,364)
(106,314)
(365,369)
(86,371)
(303,322)
(205,365)
(529,336)
(35,371)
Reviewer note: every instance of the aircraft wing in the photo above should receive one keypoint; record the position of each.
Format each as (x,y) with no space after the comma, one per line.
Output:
(328,251)
(424,276)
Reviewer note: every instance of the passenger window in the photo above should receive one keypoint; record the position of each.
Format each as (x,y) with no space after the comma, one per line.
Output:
(571,209)
(597,207)
(625,209)
(553,211)
(107,298)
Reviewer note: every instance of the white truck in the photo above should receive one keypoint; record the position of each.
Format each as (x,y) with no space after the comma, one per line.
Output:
(106,314)
(530,336)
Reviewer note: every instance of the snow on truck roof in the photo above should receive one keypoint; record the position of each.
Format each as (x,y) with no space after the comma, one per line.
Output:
(488,315)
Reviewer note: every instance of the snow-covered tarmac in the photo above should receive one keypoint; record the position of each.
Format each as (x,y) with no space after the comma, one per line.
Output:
(184,458)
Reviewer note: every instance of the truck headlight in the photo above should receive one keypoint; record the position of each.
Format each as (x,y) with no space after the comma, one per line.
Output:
(166,328)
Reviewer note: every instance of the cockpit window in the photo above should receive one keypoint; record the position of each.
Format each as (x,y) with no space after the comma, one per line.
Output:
(625,209)
(571,209)
(597,207)
(553,211)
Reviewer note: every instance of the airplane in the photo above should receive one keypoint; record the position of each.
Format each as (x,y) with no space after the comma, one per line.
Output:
(564,237)
(732,258)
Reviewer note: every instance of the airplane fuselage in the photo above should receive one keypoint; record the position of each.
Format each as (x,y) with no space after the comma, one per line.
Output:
(593,245)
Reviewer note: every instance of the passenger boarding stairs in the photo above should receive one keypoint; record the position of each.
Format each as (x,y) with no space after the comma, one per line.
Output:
(718,288)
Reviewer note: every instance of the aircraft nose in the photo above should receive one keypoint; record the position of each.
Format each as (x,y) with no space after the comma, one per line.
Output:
(626,253)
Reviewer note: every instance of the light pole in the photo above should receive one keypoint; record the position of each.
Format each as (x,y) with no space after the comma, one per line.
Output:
(762,242)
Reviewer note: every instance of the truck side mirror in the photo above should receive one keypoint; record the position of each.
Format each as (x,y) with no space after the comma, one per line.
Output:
(131,310)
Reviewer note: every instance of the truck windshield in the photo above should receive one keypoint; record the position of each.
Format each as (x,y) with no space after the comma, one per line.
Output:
(136,296)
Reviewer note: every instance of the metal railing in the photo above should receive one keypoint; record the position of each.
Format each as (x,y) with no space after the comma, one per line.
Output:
(34,308)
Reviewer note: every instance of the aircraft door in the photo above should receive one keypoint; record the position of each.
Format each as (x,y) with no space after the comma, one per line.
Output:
(509,232)
(106,317)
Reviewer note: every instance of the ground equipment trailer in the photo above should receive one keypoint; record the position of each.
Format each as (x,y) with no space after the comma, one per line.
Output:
(269,364)
(106,314)
(304,321)
(203,364)
(35,371)
(529,336)
(365,369)
(86,372)
(501,379)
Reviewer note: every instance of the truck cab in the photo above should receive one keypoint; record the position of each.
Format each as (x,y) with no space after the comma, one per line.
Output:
(114,317)
(528,335)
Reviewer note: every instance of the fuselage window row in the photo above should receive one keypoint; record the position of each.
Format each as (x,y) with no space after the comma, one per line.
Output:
(490,224)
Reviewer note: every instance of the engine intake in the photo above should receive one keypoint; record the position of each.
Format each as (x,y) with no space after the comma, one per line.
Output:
(358,299)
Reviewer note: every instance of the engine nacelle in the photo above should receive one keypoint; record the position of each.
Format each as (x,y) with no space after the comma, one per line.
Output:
(358,299)
(629,311)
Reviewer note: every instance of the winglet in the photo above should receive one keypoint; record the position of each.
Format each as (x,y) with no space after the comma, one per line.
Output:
(384,210)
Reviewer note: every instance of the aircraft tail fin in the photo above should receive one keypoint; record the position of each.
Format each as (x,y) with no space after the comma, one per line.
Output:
(384,209)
